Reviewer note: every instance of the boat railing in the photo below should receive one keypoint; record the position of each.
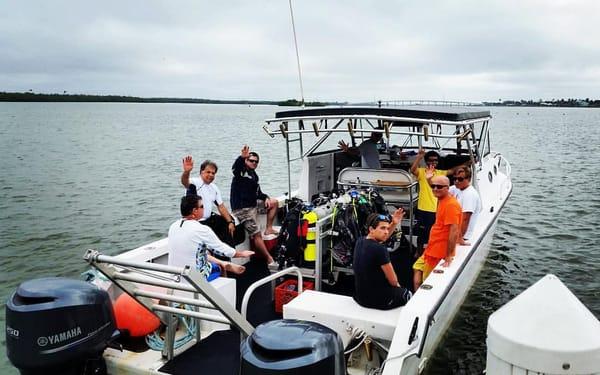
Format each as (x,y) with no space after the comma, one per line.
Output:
(316,131)
(267,279)
(129,275)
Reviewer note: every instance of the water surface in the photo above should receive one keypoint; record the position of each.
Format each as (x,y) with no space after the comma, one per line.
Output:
(106,176)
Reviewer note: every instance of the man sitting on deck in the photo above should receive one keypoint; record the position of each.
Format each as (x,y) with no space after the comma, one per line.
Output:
(445,232)
(222,224)
(469,200)
(376,282)
(189,241)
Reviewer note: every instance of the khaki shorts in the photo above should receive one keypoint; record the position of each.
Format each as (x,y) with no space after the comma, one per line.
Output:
(247,216)
(421,265)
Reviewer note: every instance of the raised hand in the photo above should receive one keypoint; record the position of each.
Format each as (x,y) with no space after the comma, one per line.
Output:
(188,163)
(429,171)
(245,151)
(398,215)
(343,145)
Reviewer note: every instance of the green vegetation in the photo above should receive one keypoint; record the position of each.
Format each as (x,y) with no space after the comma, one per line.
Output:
(39,97)
(35,97)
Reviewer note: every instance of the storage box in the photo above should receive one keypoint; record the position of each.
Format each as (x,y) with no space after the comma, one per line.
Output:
(287,291)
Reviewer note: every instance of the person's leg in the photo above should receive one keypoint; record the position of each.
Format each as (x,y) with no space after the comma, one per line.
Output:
(271,213)
(226,266)
(260,246)
(418,273)
(400,297)
(220,227)
(248,217)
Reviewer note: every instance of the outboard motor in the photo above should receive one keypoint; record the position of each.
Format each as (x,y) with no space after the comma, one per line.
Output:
(292,347)
(59,326)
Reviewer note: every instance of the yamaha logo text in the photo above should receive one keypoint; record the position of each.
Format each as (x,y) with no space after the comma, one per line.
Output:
(59,337)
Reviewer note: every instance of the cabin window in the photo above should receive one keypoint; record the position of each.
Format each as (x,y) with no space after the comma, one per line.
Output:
(490,177)
(495,170)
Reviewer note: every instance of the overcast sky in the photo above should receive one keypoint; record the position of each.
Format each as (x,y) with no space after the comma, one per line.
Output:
(349,50)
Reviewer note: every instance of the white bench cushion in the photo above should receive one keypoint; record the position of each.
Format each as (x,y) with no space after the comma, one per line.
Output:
(336,312)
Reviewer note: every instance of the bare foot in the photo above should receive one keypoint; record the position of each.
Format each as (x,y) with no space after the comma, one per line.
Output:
(234,268)
(271,231)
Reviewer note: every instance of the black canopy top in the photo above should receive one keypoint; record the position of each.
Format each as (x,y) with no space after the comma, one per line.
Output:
(442,114)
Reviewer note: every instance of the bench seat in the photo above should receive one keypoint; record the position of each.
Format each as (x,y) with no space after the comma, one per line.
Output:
(337,312)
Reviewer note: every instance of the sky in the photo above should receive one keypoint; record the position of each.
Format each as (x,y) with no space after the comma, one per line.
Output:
(349,50)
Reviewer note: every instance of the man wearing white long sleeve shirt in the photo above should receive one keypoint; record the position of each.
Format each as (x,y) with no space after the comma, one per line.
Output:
(189,241)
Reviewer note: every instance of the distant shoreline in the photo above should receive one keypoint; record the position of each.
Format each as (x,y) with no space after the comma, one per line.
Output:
(79,98)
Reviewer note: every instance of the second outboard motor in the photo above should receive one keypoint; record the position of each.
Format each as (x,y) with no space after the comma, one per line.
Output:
(292,347)
(59,326)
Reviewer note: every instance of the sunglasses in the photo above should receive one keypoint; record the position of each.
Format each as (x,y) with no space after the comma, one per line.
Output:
(435,186)
(255,161)
(460,179)
(382,217)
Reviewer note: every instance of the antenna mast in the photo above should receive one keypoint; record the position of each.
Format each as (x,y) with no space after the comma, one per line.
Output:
(297,54)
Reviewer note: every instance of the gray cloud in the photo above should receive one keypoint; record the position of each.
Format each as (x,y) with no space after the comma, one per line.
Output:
(350,50)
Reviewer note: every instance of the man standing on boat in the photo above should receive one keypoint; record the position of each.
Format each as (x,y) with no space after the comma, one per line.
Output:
(427,203)
(469,200)
(189,241)
(245,197)
(369,156)
(223,224)
(376,282)
(445,232)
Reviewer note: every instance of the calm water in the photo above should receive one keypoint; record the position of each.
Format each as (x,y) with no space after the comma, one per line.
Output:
(106,176)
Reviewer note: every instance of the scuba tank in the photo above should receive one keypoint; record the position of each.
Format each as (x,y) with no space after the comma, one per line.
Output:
(310,218)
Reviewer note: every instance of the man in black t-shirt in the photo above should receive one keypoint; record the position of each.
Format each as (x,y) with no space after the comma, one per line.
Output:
(375,281)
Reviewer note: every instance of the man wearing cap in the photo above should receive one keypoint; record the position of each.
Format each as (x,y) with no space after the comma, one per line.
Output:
(223,224)
(445,232)
(427,203)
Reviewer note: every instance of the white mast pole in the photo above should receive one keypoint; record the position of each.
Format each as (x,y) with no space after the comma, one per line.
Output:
(297,54)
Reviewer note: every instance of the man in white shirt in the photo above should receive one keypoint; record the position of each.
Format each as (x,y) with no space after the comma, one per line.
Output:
(469,200)
(189,241)
(223,224)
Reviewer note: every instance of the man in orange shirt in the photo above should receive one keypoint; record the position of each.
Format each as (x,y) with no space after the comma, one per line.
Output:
(444,233)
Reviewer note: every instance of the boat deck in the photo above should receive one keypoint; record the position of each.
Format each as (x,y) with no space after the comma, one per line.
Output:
(222,348)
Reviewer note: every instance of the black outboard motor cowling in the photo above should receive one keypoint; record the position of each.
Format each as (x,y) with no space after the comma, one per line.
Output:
(292,347)
(58,325)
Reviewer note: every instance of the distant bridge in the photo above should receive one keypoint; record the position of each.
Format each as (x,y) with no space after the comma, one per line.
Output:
(405,102)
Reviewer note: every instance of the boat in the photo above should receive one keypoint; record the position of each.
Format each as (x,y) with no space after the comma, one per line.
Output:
(398,341)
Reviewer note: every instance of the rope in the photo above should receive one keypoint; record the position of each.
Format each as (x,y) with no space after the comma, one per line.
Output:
(155,342)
